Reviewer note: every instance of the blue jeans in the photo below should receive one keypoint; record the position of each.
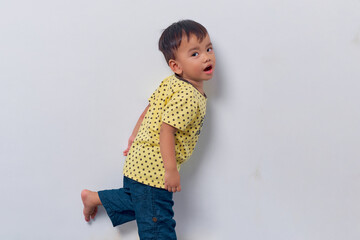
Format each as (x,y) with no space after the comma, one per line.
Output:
(151,208)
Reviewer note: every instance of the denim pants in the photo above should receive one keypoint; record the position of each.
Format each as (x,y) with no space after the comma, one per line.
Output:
(151,208)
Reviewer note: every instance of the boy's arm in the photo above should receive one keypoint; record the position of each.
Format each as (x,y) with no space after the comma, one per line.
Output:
(135,131)
(167,149)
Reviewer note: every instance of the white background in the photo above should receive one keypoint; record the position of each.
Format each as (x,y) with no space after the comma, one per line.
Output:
(279,153)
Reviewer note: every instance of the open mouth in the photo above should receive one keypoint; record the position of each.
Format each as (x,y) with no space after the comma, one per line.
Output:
(208,68)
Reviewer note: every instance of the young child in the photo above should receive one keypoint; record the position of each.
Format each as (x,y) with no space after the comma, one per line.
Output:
(164,137)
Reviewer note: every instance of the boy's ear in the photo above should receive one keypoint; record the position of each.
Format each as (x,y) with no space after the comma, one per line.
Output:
(175,66)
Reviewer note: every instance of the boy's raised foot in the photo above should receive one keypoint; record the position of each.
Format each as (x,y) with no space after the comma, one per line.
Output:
(91,202)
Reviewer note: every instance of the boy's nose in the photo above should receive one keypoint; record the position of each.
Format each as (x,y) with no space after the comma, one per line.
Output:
(206,58)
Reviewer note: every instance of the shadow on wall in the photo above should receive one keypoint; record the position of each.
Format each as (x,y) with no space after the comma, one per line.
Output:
(127,229)
(184,205)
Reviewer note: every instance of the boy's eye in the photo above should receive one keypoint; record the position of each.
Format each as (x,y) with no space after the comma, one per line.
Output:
(209,49)
(195,54)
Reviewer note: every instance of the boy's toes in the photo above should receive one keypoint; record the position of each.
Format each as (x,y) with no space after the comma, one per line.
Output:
(87,216)
(93,214)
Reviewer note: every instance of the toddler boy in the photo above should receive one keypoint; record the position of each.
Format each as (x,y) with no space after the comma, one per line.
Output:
(164,137)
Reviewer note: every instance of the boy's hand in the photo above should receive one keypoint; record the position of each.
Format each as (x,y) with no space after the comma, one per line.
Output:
(172,181)
(130,141)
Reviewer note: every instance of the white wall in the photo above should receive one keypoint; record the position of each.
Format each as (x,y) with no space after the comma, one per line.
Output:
(279,154)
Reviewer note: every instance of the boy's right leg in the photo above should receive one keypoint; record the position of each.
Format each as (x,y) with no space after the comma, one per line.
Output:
(117,203)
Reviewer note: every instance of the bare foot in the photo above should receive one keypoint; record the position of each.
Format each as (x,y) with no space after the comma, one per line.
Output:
(91,202)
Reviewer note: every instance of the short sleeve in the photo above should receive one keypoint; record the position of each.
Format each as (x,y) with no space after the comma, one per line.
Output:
(159,94)
(153,96)
(180,110)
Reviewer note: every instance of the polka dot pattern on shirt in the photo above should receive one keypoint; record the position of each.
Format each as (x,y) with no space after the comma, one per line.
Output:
(179,104)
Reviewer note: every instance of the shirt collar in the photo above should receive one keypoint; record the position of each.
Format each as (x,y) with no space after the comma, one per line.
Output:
(182,79)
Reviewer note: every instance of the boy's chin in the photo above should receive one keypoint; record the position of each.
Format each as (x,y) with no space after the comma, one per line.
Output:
(208,77)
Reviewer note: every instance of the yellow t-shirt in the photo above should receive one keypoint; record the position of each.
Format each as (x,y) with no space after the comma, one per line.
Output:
(179,104)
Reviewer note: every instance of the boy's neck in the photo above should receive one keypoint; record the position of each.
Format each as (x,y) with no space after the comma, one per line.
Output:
(199,85)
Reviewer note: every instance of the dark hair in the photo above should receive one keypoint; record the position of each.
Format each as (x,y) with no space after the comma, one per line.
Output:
(171,37)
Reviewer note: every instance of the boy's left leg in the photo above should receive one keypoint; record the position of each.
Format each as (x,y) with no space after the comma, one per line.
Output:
(153,212)
(162,225)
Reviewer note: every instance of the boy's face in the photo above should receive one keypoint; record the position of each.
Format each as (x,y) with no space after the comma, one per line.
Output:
(194,60)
